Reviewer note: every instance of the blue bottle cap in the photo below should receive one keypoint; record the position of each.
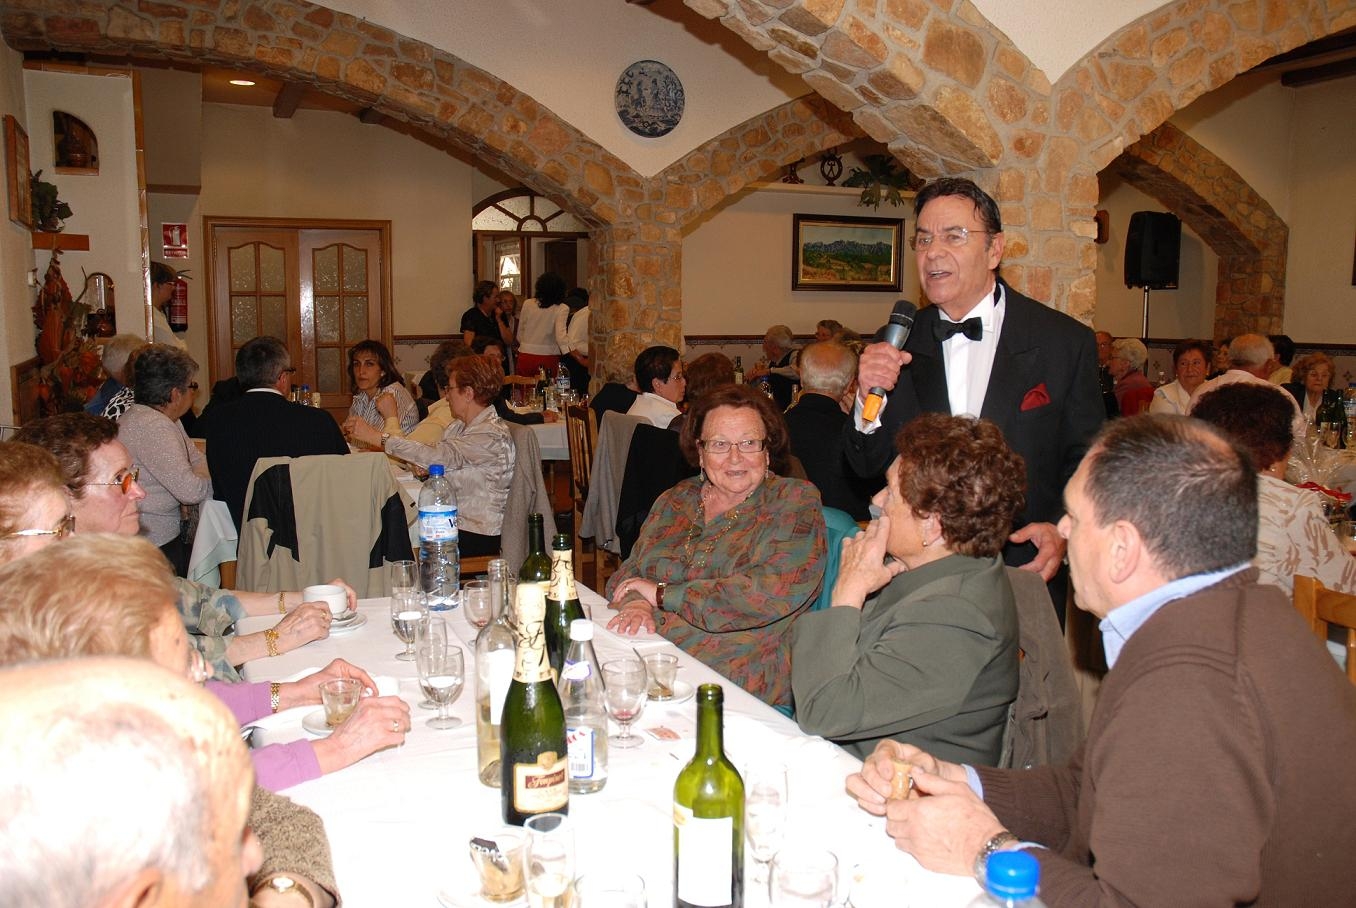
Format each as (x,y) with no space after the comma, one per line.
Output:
(1012,874)
(435,469)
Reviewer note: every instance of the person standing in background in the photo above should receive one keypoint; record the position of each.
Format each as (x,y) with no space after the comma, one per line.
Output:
(163,278)
(484,318)
(576,358)
(541,333)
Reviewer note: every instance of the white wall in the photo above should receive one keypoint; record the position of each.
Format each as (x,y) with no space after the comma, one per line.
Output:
(106,205)
(737,266)
(328,165)
(16,250)
(1188,311)
(1320,298)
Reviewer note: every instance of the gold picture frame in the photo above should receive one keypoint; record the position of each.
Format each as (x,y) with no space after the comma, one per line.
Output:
(17,175)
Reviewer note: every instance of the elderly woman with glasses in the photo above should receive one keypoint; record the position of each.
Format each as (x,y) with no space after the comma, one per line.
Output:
(104,491)
(34,506)
(920,641)
(727,559)
(171,468)
(48,599)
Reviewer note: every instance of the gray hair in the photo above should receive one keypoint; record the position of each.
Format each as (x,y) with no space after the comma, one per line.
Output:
(159,369)
(1249,351)
(117,350)
(827,367)
(781,336)
(260,360)
(102,790)
(1132,350)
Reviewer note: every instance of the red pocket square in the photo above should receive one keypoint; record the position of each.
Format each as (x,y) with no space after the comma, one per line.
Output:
(1036,397)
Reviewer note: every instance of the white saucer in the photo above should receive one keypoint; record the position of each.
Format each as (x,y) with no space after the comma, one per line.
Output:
(682,692)
(458,895)
(314,722)
(337,628)
(347,617)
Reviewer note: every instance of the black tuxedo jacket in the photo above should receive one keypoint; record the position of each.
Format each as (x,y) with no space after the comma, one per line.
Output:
(816,428)
(1043,394)
(262,424)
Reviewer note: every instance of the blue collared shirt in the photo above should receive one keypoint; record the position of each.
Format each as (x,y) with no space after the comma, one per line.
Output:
(1121,623)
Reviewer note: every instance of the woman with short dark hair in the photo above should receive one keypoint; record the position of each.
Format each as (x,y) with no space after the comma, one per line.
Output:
(171,468)
(1190,362)
(921,646)
(727,559)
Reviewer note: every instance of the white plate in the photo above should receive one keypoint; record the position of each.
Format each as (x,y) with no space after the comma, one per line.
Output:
(682,692)
(351,626)
(347,617)
(316,725)
(459,896)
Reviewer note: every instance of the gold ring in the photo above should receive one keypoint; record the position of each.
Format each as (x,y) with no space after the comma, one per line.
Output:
(395,726)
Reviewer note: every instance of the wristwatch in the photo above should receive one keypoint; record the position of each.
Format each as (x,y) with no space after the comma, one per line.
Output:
(384,437)
(285,885)
(997,842)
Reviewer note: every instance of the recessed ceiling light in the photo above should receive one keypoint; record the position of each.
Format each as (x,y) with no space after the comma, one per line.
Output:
(244,82)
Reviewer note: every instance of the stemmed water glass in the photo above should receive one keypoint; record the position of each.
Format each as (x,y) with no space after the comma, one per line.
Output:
(764,814)
(550,860)
(404,576)
(625,688)
(476,602)
(434,631)
(442,672)
(408,608)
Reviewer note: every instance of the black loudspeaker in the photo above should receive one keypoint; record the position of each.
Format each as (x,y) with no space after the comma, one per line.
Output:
(1153,249)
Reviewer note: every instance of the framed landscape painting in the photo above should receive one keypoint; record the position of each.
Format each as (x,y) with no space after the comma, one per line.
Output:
(836,252)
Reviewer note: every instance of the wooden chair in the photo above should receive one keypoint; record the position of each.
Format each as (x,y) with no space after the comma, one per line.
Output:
(1323,608)
(581,431)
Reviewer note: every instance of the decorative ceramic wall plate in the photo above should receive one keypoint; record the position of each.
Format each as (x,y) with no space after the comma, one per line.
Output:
(649,98)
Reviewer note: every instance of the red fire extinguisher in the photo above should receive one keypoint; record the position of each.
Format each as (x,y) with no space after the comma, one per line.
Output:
(178,306)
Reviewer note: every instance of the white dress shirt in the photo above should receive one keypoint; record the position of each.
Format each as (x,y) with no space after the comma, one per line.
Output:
(969,363)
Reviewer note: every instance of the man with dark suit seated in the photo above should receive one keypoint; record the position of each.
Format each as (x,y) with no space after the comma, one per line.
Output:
(262,423)
(827,371)
(986,350)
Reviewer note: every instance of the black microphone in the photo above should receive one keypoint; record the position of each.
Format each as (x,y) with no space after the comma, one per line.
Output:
(895,334)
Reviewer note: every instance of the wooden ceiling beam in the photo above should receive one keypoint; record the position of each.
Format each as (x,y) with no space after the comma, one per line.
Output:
(287,100)
(1338,69)
(371,116)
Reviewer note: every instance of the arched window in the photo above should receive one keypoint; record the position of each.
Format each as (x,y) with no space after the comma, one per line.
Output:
(518,234)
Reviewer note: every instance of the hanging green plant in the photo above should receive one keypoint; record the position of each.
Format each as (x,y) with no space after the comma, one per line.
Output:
(883,180)
(49,211)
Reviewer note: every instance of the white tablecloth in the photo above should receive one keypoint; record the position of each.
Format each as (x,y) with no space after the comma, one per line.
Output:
(216,541)
(399,821)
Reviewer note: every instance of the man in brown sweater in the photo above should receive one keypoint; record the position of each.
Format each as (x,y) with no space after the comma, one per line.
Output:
(1214,768)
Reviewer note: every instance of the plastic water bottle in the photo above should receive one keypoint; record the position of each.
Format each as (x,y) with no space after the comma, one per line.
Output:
(439,564)
(581,694)
(306,395)
(1011,879)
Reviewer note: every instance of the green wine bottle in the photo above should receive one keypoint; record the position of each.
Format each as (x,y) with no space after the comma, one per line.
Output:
(708,816)
(537,565)
(532,751)
(562,602)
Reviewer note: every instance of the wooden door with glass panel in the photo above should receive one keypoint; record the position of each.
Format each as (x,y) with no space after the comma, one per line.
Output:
(320,290)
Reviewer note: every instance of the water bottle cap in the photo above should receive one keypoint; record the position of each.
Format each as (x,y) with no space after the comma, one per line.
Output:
(581,629)
(435,469)
(1012,874)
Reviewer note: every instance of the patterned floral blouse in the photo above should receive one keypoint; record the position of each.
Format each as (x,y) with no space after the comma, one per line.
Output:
(1293,537)
(734,586)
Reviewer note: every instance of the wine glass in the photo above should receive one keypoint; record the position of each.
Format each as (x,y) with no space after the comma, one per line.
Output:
(404,576)
(434,630)
(476,602)
(764,814)
(625,688)
(803,878)
(408,608)
(550,860)
(442,672)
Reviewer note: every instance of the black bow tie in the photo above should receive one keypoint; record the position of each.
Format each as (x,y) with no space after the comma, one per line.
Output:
(972,328)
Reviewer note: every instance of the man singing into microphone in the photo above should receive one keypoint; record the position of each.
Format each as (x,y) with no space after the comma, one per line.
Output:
(985,350)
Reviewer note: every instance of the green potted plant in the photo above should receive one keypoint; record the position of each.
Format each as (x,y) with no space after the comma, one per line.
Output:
(49,212)
(883,180)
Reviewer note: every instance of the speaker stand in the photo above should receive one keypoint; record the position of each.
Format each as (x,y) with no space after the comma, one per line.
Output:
(1145,332)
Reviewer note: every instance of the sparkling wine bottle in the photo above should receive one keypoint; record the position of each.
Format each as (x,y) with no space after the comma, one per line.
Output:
(532,736)
(708,816)
(537,565)
(562,602)
(494,674)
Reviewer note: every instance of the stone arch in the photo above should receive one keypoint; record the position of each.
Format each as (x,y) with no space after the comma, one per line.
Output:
(1237,223)
(358,60)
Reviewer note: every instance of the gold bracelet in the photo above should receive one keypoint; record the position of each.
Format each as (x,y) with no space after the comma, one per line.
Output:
(274,693)
(282,604)
(271,638)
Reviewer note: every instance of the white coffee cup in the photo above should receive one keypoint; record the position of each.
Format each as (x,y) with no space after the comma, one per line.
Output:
(328,593)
